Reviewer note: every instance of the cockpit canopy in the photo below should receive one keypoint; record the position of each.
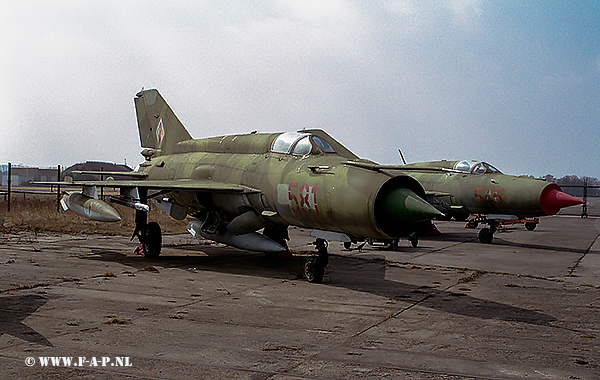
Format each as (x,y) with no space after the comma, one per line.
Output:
(475,167)
(300,144)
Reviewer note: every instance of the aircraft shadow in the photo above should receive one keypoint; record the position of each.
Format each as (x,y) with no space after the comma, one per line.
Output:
(13,310)
(372,280)
(219,259)
(363,275)
(471,237)
(540,247)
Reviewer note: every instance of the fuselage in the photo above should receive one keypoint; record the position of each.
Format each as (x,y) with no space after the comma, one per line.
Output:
(470,187)
(302,181)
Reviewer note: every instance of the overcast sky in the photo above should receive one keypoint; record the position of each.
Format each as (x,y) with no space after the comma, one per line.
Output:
(515,83)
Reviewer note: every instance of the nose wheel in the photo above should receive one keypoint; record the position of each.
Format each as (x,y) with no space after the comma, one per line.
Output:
(314,268)
(486,235)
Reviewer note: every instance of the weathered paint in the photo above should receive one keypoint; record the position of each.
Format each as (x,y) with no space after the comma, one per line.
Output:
(490,192)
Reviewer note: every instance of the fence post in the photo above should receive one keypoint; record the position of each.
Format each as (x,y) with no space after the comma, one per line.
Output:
(9,184)
(102,179)
(584,213)
(58,191)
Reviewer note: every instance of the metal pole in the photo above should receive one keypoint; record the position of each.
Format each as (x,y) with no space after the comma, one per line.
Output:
(58,191)
(9,183)
(584,213)
(102,179)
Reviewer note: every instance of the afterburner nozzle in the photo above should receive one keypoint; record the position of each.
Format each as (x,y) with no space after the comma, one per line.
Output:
(553,199)
(402,206)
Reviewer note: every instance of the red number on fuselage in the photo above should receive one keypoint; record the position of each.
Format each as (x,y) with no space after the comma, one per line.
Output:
(293,198)
(307,202)
(491,197)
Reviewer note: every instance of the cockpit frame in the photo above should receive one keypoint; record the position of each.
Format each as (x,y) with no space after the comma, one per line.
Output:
(475,167)
(300,144)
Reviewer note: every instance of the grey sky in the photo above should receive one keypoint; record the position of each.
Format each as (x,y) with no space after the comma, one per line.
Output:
(513,83)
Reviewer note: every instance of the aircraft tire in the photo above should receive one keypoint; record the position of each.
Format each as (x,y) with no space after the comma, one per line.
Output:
(314,270)
(152,240)
(530,226)
(472,224)
(486,236)
(414,239)
(394,245)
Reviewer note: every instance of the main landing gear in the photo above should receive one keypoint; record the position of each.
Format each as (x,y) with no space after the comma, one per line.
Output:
(151,240)
(148,234)
(314,268)
(413,239)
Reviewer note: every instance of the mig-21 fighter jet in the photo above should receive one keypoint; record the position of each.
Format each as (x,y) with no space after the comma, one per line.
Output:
(462,188)
(245,190)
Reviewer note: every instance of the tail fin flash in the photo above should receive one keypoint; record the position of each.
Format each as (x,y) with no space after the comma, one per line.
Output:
(158,125)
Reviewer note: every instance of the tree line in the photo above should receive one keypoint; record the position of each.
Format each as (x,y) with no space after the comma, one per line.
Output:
(573,180)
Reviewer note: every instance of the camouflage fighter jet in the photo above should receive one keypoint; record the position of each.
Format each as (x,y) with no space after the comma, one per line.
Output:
(461,188)
(233,187)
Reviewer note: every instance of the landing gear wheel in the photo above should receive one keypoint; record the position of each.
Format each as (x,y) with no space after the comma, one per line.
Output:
(394,245)
(414,239)
(486,236)
(530,226)
(151,240)
(314,269)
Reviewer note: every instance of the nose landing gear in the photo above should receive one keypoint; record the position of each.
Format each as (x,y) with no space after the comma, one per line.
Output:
(314,268)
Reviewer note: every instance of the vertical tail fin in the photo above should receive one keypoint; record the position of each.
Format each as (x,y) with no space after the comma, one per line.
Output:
(159,127)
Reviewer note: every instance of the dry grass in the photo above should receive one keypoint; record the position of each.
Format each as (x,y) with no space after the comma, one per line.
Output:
(38,213)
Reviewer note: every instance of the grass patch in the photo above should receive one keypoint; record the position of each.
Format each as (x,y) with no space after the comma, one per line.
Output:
(472,277)
(38,213)
(107,274)
(117,321)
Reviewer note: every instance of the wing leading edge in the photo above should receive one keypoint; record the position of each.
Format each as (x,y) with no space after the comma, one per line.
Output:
(179,184)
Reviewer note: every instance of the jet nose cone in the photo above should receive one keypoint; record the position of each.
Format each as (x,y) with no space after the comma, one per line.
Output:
(553,199)
(418,210)
(403,206)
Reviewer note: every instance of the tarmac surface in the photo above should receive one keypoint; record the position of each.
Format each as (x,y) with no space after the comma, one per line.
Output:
(526,306)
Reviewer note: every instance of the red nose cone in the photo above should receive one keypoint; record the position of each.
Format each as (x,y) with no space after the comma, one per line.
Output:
(553,199)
